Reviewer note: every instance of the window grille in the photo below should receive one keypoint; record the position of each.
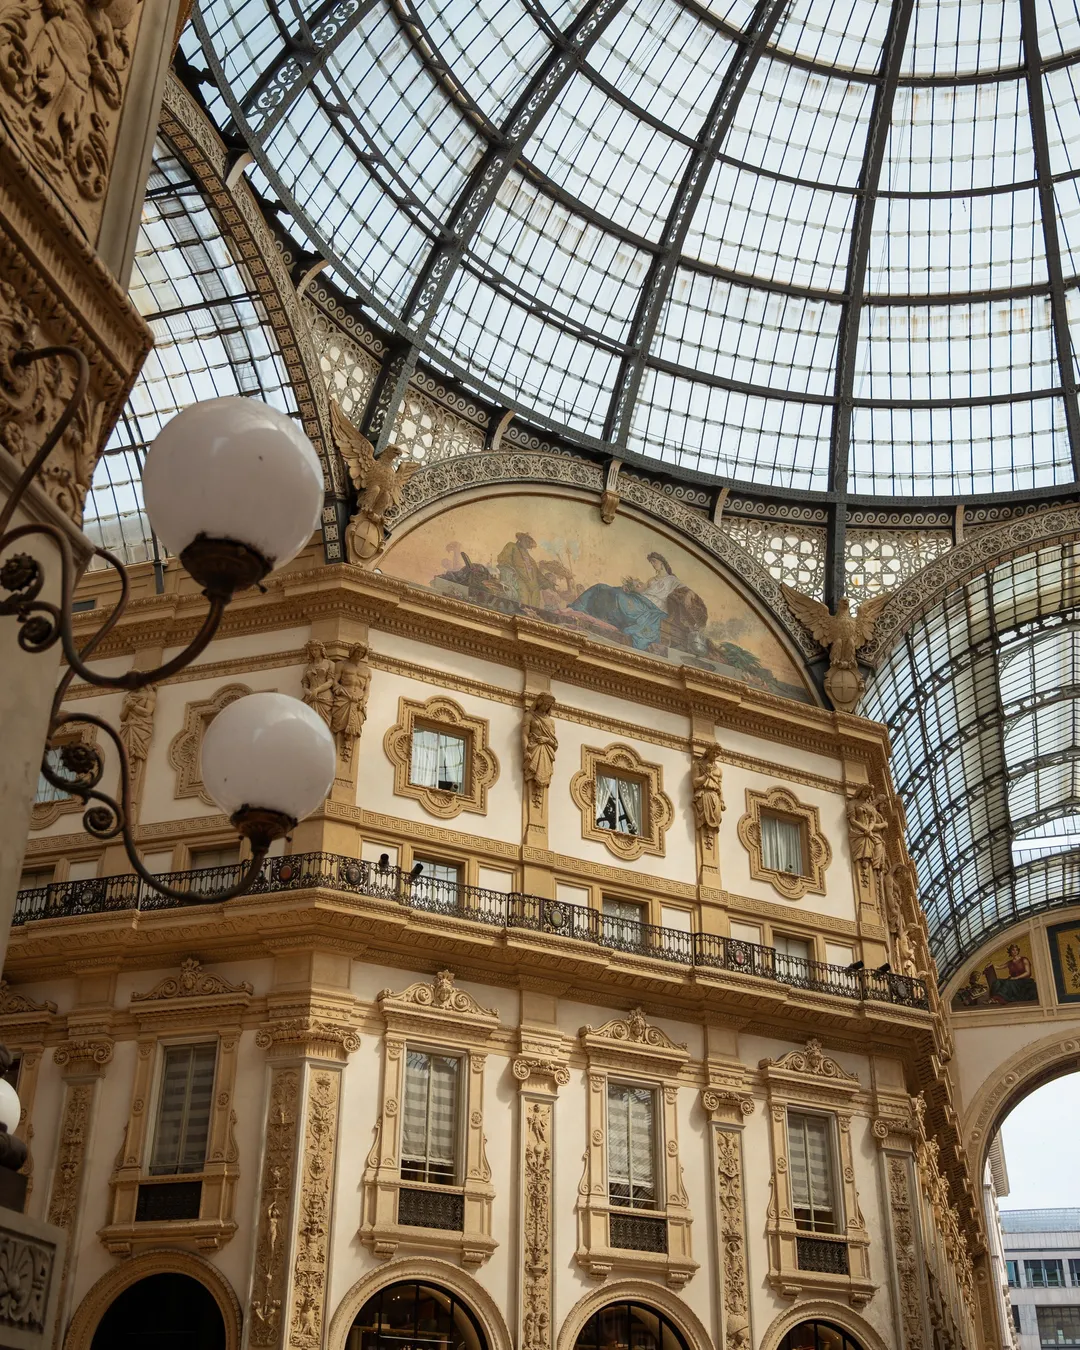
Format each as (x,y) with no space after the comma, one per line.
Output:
(829,1258)
(631,1141)
(812,1183)
(431,1209)
(429,1130)
(438,760)
(183,1122)
(637,1233)
(175,1200)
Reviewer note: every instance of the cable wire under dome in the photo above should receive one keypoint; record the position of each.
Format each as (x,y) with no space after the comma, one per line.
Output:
(826,245)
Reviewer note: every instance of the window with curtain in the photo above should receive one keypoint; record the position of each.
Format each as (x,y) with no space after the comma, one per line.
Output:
(623,920)
(1044,1274)
(439,881)
(618,803)
(813,1190)
(631,1146)
(782,844)
(791,953)
(429,1127)
(1058,1325)
(438,760)
(183,1119)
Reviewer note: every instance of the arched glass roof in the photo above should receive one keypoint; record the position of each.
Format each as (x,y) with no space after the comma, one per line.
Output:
(824,245)
(982,700)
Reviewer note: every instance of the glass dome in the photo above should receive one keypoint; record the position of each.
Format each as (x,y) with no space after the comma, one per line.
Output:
(813,245)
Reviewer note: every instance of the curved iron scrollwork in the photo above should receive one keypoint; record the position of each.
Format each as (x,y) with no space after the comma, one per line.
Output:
(221,567)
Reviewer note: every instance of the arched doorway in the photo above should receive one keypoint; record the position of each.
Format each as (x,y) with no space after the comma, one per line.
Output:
(817,1335)
(415,1315)
(631,1324)
(162,1312)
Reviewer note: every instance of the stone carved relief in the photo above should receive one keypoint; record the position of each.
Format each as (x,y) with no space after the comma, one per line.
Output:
(137,723)
(635,1029)
(274,1205)
(657,809)
(64,68)
(379,484)
(338,692)
(313,1226)
(12,1002)
(440,993)
(732,1223)
(866,829)
(63,1202)
(186,745)
(906,1253)
(190,983)
(536,1225)
(26,1267)
(812,1061)
(481,766)
(539,745)
(315,1036)
(707,785)
(842,634)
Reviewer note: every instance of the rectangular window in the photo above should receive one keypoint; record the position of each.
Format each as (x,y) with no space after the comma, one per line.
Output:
(631,1146)
(1015,1317)
(622,922)
(35,877)
(438,760)
(810,1148)
(1058,1325)
(618,803)
(791,955)
(782,844)
(1012,1269)
(46,792)
(437,883)
(429,1127)
(183,1120)
(1044,1274)
(1074,1271)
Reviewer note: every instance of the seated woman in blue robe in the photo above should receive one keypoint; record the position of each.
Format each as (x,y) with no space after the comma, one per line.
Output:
(634,609)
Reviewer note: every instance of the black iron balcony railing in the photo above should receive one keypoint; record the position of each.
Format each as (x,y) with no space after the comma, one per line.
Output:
(497,909)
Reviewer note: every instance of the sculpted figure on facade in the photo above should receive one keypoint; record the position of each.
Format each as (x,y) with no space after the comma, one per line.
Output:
(707,781)
(842,634)
(866,828)
(350,692)
(318,681)
(903,946)
(379,483)
(539,745)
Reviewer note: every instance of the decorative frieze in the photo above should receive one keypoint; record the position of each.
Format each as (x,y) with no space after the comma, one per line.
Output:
(905,1251)
(314,1210)
(537,1198)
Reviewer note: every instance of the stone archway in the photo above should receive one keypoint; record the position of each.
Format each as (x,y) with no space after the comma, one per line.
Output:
(692,1329)
(166,1261)
(820,1310)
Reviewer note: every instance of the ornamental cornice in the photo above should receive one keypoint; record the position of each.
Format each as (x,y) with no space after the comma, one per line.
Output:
(193,982)
(632,1041)
(13,1003)
(811,1068)
(439,1009)
(308,1036)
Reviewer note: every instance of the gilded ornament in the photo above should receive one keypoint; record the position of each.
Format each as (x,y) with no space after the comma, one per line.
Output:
(842,633)
(379,482)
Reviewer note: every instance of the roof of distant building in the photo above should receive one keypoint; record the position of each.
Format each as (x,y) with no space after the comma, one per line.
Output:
(1040,1220)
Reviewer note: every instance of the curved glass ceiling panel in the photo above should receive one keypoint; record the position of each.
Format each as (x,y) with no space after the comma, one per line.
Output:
(799,243)
(986,752)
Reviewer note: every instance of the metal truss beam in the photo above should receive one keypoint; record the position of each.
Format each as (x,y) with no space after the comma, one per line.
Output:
(848,341)
(1029,33)
(662,271)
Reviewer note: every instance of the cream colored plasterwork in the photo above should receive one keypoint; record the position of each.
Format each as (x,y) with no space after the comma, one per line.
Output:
(204,1006)
(314,1209)
(540,1070)
(629,1048)
(657,810)
(481,767)
(186,746)
(435,1015)
(275,1207)
(811,1079)
(727,1110)
(818,853)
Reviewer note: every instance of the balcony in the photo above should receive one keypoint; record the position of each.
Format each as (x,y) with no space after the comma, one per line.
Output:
(495,909)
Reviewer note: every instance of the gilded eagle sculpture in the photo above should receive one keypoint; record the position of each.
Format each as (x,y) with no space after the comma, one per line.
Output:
(842,634)
(379,483)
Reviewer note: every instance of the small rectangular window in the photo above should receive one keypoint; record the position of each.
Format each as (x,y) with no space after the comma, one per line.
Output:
(618,803)
(1044,1274)
(35,877)
(622,920)
(1058,1325)
(782,845)
(1015,1317)
(183,1120)
(438,760)
(631,1146)
(810,1148)
(228,856)
(429,1127)
(438,882)
(1074,1271)
(1012,1270)
(792,953)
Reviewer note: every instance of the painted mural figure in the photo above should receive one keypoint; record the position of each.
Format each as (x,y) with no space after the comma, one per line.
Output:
(1007,977)
(638,609)
(1018,985)
(520,572)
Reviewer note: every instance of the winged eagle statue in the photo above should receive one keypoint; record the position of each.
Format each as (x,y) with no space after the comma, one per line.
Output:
(842,634)
(379,482)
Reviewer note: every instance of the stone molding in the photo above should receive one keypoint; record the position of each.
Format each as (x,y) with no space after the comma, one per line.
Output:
(828,1310)
(991,1100)
(646,1291)
(185,748)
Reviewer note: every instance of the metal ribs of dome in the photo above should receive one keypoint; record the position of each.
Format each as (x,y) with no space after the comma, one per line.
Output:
(559,210)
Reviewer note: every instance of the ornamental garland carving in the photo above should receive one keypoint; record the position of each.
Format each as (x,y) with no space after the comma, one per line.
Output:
(732,1225)
(906,1252)
(186,746)
(274,1208)
(313,1224)
(536,1226)
(192,982)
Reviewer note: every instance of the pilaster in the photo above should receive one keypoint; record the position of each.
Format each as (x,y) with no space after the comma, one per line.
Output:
(727,1106)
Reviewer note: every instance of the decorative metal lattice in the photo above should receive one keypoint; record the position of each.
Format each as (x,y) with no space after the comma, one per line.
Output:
(794,554)
(637,1233)
(431,1209)
(817,1253)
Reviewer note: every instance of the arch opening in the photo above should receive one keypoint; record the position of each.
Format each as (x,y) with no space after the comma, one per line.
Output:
(818,1335)
(166,1311)
(415,1315)
(629,1323)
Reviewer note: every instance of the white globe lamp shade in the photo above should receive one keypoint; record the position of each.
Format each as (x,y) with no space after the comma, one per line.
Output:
(233,470)
(268,754)
(10,1107)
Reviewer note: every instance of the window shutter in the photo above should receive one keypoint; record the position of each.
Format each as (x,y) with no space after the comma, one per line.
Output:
(414,1118)
(187,1089)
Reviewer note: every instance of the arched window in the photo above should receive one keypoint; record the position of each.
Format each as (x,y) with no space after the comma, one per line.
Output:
(629,1326)
(818,1336)
(415,1316)
(162,1309)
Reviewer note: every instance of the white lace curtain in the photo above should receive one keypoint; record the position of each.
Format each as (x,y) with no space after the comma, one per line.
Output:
(618,804)
(438,760)
(781,844)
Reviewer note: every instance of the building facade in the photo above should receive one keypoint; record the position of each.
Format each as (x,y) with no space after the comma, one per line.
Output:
(589,1010)
(1042,1251)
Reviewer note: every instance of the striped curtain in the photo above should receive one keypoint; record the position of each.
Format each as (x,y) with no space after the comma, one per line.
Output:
(631,1151)
(429,1120)
(809,1144)
(183,1123)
